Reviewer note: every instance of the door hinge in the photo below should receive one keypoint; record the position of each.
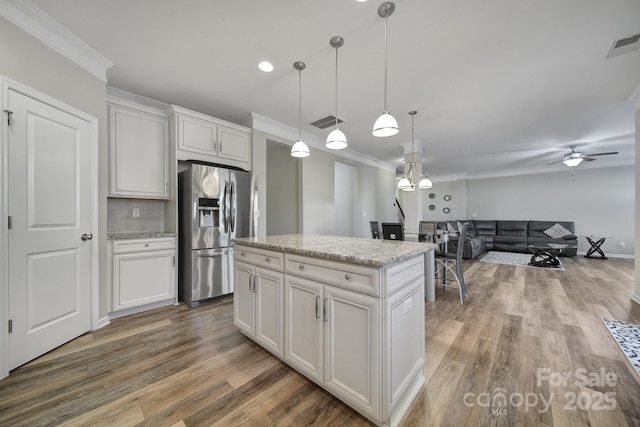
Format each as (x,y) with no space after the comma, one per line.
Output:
(9,113)
(10,326)
(10,222)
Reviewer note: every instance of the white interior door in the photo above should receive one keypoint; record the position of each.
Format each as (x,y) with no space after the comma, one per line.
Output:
(49,170)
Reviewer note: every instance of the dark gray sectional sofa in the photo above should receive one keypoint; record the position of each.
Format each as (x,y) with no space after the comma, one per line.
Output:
(505,235)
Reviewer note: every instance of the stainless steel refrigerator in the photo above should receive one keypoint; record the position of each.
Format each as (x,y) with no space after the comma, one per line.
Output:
(215,205)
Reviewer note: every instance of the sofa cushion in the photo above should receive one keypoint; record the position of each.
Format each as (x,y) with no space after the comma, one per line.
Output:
(512,228)
(485,228)
(511,240)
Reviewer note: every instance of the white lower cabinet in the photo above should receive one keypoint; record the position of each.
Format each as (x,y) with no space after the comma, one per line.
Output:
(356,331)
(143,272)
(333,337)
(258,300)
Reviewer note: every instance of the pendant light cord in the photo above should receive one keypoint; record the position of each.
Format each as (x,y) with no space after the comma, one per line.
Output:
(336,87)
(300,105)
(385,62)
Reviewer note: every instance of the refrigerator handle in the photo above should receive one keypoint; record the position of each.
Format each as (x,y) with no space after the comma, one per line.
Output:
(232,203)
(225,207)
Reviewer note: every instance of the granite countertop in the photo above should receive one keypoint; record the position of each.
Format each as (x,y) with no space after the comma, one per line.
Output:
(352,250)
(138,235)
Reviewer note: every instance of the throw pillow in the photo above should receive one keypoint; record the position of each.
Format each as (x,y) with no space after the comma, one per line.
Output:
(453,231)
(557,231)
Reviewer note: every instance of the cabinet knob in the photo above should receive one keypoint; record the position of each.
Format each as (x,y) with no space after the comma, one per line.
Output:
(243,254)
(301,266)
(347,276)
(267,259)
(146,245)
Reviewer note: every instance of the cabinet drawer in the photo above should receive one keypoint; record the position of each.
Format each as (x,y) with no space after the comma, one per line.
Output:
(140,245)
(260,257)
(404,274)
(346,276)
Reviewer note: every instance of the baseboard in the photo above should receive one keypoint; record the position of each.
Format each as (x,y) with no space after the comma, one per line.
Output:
(635,298)
(623,256)
(134,310)
(104,321)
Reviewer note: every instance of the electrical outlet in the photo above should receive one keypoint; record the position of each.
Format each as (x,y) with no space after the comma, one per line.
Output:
(407,306)
(364,214)
(622,243)
(475,215)
(135,212)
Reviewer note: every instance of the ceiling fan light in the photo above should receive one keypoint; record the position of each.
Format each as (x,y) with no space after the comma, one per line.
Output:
(300,149)
(404,183)
(572,161)
(425,183)
(386,125)
(336,140)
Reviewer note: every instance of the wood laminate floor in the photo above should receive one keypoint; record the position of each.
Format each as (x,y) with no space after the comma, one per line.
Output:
(528,348)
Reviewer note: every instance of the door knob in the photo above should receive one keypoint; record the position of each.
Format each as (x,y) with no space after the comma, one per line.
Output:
(87,236)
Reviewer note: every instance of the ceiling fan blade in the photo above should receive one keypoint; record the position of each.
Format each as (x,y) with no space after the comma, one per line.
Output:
(602,154)
(588,159)
(555,163)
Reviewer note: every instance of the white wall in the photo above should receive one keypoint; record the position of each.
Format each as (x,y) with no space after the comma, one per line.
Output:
(283,190)
(344,184)
(600,202)
(636,296)
(30,62)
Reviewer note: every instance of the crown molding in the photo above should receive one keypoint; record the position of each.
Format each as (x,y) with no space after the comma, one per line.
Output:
(34,21)
(635,98)
(131,100)
(290,134)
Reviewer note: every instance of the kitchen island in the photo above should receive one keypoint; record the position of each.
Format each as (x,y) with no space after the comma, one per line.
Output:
(348,313)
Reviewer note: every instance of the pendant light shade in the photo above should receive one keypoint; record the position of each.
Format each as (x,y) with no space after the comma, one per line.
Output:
(386,125)
(336,140)
(300,148)
(406,182)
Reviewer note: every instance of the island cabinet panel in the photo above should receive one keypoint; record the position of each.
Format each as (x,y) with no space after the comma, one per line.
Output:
(356,329)
(352,349)
(304,326)
(258,301)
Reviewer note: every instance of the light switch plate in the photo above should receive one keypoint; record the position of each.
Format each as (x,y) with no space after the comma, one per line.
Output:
(135,212)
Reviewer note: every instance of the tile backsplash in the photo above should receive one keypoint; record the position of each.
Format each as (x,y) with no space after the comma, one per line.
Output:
(120,217)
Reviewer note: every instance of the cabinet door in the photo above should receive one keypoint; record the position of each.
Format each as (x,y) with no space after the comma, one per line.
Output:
(233,144)
(269,312)
(139,154)
(352,349)
(303,326)
(243,299)
(197,136)
(143,278)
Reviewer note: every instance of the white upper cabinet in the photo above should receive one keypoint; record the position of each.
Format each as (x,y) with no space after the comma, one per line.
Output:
(138,153)
(205,138)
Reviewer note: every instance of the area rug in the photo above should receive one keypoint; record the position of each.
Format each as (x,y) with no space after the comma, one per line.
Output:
(627,335)
(511,258)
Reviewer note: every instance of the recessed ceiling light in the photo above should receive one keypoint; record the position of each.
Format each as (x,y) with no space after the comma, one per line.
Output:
(361,1)
(265,66)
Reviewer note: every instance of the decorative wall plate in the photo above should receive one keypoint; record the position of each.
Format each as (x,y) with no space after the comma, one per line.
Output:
(446,210)
(432,207)
(447,198)
(432,195)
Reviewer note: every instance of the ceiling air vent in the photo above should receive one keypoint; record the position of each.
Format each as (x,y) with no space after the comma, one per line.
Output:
(625,45)
(325,122)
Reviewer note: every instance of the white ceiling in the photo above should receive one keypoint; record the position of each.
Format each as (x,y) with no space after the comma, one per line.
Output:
(498,84)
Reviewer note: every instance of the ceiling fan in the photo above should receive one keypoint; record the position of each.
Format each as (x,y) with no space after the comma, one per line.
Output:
(575,157)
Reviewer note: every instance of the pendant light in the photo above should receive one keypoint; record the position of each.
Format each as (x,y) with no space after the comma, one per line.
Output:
(406,182)
(336,140)
(386,125)
(300,148)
